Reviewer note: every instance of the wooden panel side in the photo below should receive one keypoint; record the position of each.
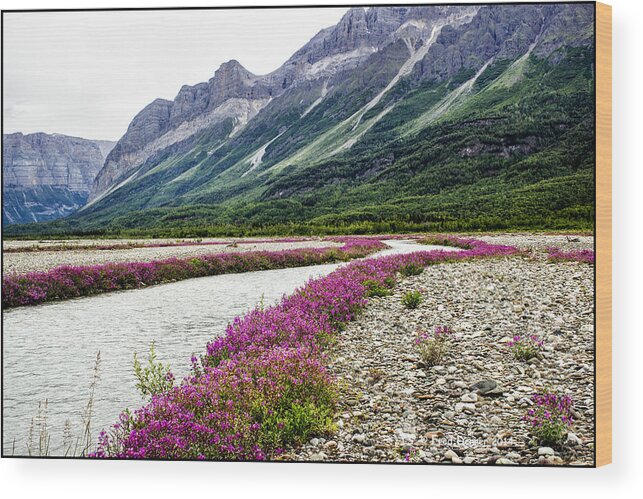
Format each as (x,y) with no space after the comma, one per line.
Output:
(603,234)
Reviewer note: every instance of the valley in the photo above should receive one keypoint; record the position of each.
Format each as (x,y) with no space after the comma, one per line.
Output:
(380,250)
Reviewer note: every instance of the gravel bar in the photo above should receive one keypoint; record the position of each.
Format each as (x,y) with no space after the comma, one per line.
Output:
(394,409)
(19,263)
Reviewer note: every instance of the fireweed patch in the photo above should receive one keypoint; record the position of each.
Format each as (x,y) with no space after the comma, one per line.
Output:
(73,281)
(198,242)
(432,347)
(558,255)
(525,347)
(263,386)
(550,418)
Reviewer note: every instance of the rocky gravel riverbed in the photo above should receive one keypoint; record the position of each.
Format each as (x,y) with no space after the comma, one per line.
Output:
(540,242)
(70,243)
(395,409)
(20,263)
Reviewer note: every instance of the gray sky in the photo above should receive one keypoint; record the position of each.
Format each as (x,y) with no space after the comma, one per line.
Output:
(88,73)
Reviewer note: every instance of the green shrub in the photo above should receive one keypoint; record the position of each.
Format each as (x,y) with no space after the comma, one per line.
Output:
(432,352)
(525,348)
(154,378)
(297,424)
(375,288)
(411,269)
(412,299)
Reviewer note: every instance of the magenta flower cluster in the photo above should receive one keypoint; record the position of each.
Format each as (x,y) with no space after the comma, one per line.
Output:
(558,255)
(550,418)
(256,402)
(73,281)
(263,386)
(440,333)
(517,340)
(525,347)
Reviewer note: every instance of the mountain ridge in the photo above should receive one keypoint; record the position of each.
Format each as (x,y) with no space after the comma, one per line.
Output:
(352,38)
(360,99)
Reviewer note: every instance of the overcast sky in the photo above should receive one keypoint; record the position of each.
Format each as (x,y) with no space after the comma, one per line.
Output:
(88,73)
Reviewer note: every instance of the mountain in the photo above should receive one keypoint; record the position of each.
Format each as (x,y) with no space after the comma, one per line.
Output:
(448,117)
(45,177)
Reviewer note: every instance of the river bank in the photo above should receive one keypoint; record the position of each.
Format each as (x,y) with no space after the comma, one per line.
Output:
(66,282)
(179,317)
(264,387)
(21,256)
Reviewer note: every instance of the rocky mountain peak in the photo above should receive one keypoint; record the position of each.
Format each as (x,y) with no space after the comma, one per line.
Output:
(233,67)
(233,80)
(351,32)
(152,120)
(383,21)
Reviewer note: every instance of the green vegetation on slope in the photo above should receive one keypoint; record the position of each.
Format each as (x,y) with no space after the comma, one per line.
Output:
(516,155)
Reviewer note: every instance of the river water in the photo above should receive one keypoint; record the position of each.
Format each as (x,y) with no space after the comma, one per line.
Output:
(50,349)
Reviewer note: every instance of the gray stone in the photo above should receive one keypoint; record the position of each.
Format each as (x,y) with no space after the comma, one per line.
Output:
(464,407)
(469,397)
(487,387)
(572,439)
(330,445)
(360,438)
(504,460)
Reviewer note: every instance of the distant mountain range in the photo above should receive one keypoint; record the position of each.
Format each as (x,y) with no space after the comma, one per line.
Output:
(451,116)
(45,177)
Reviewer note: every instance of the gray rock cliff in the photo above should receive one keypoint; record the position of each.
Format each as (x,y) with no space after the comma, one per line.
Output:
(46,176)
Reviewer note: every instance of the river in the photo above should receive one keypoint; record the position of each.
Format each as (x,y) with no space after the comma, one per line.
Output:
(49,350)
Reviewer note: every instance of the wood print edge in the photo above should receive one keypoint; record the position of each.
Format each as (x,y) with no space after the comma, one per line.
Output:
(603,234)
